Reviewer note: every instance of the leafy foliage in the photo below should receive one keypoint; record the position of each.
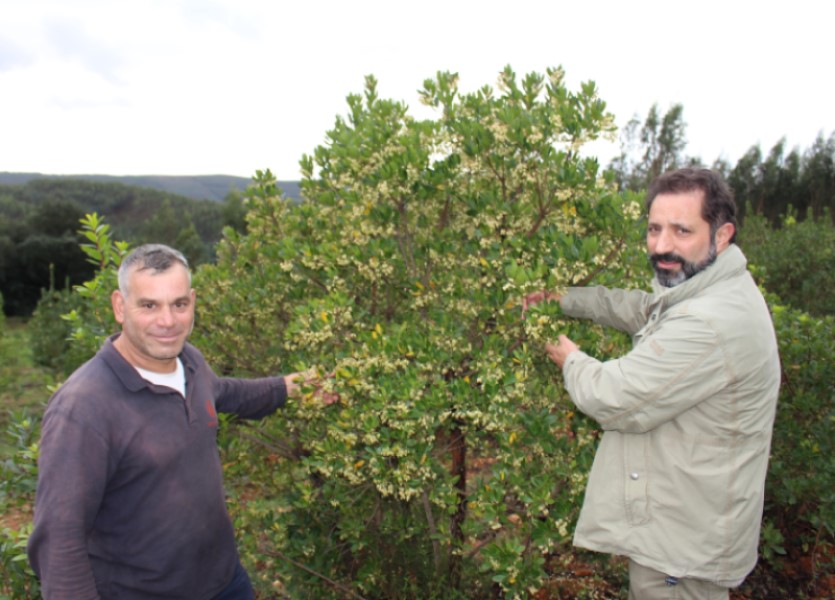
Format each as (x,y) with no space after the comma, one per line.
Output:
(796,260)
(453,461)
(800,491)
(93,321)
(17,485)
(50,332)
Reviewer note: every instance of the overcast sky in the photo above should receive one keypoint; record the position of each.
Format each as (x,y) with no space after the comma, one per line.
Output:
(197,87)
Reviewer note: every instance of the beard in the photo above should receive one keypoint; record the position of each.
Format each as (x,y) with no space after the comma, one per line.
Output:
(669,278)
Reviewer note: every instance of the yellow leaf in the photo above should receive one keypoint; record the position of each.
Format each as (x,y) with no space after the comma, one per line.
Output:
(512,437)
(359,464)
(324,316)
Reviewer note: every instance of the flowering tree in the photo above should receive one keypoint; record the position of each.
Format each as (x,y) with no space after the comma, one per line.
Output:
(452,461)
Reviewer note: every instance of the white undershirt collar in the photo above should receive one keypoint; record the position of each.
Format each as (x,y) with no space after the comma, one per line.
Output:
(175,380)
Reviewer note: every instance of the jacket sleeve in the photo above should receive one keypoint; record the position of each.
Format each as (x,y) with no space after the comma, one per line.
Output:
(668,372)
(625,310)
(250,398)
(72,469)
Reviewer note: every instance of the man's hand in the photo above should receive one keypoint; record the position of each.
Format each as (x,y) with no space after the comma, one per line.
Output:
(535,298)
(309,378)
(559,352)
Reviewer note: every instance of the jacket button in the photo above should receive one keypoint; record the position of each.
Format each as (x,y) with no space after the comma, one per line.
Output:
(633,476)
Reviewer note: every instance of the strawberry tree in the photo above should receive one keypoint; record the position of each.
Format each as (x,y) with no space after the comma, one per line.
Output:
(453,463)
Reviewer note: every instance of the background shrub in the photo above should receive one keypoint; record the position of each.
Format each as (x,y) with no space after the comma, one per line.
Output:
(797,260)
(800,490)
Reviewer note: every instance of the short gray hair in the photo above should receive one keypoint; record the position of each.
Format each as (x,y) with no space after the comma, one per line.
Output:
(157,257)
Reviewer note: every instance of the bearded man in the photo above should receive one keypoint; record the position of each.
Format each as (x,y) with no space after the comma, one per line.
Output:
(677,483)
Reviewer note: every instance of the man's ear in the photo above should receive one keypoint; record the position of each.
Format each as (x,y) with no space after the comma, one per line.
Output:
(117,301)
(724,235)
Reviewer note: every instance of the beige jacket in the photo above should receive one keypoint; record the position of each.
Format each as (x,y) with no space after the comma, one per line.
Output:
(677,481)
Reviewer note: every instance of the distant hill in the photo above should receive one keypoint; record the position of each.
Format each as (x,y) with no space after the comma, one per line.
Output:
(196,187)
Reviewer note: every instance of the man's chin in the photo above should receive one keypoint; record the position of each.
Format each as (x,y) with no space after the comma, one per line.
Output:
(167,351)
(670,278)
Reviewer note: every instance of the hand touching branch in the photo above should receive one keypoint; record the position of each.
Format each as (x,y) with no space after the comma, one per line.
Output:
(559,352)
(310,378)
(535,298)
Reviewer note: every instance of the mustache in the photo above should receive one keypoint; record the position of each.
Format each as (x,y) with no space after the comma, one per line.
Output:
(666,257)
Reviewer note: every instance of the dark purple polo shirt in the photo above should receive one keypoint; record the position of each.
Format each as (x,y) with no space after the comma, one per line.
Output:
(130,501)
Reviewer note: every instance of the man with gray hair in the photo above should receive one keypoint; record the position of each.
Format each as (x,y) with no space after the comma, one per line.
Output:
(130,501)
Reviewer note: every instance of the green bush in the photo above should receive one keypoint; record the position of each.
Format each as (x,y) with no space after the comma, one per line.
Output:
(800,491)
(797,260)
(50,332)
(453,464)
(18,477)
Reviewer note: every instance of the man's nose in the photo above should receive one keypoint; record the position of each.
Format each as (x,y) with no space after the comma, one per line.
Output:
(663,242)
(165,317)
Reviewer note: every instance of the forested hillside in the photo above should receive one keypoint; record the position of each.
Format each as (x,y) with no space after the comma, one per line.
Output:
(39,223)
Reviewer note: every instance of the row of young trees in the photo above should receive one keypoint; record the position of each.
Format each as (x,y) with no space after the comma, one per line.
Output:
(771,184)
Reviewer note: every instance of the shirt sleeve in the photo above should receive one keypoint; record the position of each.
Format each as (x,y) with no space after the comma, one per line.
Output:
(250,398)
(72,469)
(668,372)
(625,310)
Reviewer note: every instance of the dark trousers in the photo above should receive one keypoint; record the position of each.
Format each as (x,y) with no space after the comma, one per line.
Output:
(240,588)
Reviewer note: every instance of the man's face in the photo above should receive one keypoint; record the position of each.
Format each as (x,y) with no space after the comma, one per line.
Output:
(678,238)
(156,316)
